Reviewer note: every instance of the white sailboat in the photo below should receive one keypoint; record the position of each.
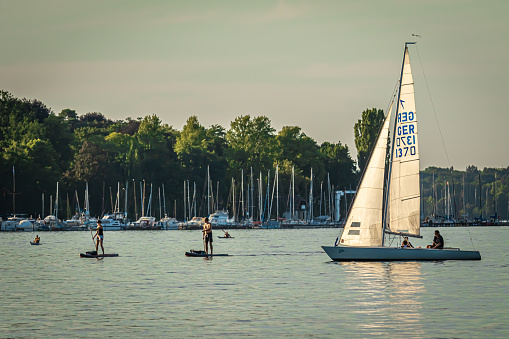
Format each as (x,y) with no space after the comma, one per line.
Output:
(373,216)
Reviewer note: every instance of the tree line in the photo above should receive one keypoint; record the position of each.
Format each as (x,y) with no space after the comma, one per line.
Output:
(42,148)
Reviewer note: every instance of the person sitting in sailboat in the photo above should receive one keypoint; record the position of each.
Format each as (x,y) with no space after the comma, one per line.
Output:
(406,243)
(37,239)
(438,241)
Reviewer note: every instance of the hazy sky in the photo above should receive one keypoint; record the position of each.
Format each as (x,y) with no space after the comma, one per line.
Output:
(313,64)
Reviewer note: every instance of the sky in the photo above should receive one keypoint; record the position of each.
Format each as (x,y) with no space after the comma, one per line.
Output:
(313,64)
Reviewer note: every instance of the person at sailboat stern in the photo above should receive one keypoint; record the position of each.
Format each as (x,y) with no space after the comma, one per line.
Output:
(438,241)
(207,236)
(100,236)
(406,243)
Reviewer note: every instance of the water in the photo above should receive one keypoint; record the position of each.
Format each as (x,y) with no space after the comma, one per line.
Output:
(275,283)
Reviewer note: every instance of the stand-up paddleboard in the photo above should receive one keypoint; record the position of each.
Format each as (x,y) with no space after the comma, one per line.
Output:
(35,243)
(94,254)
(193,253)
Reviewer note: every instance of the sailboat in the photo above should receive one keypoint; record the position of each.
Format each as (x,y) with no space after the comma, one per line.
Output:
(383,211)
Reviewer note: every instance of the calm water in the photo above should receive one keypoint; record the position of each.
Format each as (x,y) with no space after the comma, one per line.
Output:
(275,283)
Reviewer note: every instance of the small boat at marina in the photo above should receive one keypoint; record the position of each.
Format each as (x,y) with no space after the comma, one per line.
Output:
(196,223)
(10,224)
(221,218)
(391,210)
(114,222)
(168,223)
(144,223)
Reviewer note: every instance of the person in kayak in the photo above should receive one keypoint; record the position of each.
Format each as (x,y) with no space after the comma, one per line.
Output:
(37,239)
(100,236)
(207,236)
(227,235)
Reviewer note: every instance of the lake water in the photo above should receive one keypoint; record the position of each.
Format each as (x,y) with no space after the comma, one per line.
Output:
(275,283)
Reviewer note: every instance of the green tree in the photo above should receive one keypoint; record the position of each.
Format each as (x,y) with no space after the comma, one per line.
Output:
(339,164)
(251,144)
(366,133)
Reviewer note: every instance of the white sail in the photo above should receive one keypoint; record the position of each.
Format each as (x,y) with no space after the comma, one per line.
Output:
(404,190)
(364,223)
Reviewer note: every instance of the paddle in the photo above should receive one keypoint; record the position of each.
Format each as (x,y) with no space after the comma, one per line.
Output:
(93,243)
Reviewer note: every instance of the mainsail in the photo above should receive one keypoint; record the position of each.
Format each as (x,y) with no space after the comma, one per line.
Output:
(363,226)
(404,190)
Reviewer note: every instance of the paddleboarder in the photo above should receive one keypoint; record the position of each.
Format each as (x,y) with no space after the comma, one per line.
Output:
(100,236)
(207,236)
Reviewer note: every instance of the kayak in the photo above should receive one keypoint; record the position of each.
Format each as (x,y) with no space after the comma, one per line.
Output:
(35,243)
(225,237)
(95,255)
(194,253)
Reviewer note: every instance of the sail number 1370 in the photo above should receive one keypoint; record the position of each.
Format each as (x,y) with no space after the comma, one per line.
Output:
(405,138)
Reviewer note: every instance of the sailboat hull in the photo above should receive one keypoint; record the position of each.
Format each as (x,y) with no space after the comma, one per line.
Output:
(350,253)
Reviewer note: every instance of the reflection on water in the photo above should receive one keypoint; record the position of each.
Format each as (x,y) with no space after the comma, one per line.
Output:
(388,292)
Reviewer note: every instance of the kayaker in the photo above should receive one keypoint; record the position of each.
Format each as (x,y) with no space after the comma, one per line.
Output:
(100,236)
(37,239)
(207,236)
(227,235)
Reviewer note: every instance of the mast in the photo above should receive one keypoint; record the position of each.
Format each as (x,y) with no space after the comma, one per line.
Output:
(252,195)
(13,192)
(208,191)
(164,201)
(102,207)
(142,202)
(267,194)
(386,200)
(293,192)
(329,198)
(111,202)
(134,195)
(242,192)
(260,197)
(143,206)
(194,198)
(277,193)
(188,201)
(160,208)
(185,211)
(233,200)
(125,205)
(87,202)
(311,197)
(56,204)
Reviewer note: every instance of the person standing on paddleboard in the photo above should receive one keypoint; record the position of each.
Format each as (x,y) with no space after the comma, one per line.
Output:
(207,236)
(100,236)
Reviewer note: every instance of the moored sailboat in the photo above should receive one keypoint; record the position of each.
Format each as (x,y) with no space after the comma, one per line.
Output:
(381,211)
